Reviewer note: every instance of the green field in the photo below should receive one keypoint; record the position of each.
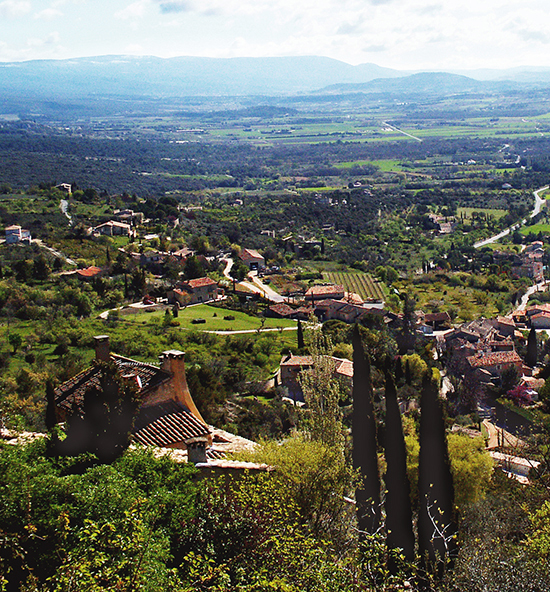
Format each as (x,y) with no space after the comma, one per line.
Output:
(214,318)
(535,229)
(467,212)
(359,283)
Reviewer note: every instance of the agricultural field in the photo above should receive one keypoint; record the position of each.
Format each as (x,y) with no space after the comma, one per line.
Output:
(215,319)
(359,283)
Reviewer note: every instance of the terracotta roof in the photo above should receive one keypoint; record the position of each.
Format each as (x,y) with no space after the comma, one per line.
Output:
(325,290)
(345,368)
(167,423)
(69,396)
(201,282)
(494,358)
(298,361)
(544,314)
(282,309)
(437,317)
(353,298)
(89,271)
(250,254)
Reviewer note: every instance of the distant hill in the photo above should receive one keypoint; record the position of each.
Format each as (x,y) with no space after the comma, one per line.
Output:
(182,76)
(426,83)
(114,85)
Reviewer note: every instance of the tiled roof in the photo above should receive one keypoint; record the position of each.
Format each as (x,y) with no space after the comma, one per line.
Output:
(282,309)
(166,424)
(494,358)
(437,317)
(250,254)
(201,282)
(325,290)
(89,271)
(69,396)
(345,368)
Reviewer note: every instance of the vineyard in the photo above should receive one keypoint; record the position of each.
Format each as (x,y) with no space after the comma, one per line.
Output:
(360,283)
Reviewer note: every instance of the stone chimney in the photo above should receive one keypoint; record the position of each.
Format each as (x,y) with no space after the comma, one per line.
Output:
(102,350)
(196,449)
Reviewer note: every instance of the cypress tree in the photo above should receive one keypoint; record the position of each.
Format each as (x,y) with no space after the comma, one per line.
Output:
(398,501)
(436,517)
(532,353)
(300,335)
(363,430)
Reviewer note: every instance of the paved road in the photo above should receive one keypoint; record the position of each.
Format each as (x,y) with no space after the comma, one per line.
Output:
(255,285)
(396,129)
(53,251)
(531,290)
(539,202)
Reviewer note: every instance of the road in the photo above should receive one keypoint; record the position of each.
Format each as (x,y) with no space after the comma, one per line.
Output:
(58,254)
(396,129)
(539,202)
(531,290)
(255,285)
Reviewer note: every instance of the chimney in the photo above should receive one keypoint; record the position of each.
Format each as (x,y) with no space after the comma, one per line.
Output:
(196,449)
(173,362)
(102,353)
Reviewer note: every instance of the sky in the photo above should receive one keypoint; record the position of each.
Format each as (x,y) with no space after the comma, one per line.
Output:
(401,34)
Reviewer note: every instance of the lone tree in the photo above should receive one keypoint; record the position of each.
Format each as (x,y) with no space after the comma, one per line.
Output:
(363,430)
(436,517)
(531,358)
(398,501)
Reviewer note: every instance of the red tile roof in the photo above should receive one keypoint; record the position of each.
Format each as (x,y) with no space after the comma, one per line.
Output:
(166,424)
(201,282)
(69,396)
(89,271)
(494,358)
(247,254)
(319,291)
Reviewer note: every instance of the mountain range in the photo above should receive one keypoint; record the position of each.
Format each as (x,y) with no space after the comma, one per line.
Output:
(195,76)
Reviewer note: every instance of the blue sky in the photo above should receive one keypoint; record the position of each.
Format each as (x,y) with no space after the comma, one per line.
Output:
(403,34)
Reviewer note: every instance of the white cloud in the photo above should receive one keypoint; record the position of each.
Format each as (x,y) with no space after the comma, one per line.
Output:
(50,39)
(167,7)
(136,10)
(48,14)
(14,8)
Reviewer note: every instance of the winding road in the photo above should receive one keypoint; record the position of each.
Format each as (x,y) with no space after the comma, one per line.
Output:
(539,202)
(255,285)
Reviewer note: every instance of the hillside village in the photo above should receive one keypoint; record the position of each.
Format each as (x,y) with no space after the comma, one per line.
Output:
(222,366)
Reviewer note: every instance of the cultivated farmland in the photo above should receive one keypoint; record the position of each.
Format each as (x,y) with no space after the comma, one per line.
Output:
(360,283)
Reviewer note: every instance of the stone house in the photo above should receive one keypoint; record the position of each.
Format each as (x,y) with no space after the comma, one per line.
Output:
(252,259)
(167,417)
(194,291)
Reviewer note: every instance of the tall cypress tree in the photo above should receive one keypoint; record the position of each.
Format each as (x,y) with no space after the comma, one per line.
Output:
(363,429)
(300,333)
(398,501)
(532,353)
(436,517)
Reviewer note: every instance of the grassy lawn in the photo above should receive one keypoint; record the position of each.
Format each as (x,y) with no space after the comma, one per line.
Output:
(535,229)
(214,318)
(467,212)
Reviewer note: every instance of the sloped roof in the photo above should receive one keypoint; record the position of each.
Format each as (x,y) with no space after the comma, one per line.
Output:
(247,254)
(201,282)
(325,290)
(88,272)
(494,358)
(167,423)
(69,396)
